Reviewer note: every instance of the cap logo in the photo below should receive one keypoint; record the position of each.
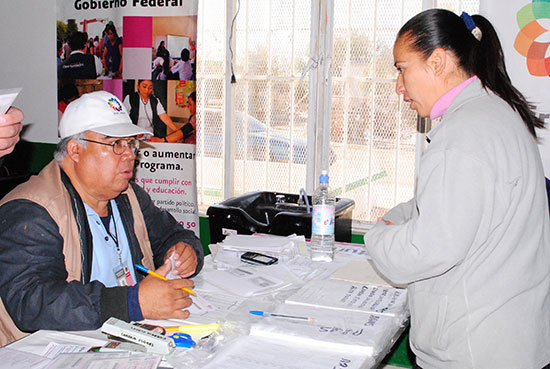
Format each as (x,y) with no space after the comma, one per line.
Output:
(114,104)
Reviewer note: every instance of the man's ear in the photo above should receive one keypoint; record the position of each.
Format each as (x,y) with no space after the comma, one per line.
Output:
(437,61)
(73,150)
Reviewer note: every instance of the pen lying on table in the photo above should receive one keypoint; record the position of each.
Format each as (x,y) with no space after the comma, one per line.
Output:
(265,313)
(144,269)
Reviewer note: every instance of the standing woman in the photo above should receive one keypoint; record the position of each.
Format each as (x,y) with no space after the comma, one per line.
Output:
(147,112)
(473,245)
(112,52)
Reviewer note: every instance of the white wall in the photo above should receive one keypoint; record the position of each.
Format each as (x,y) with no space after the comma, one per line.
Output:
(28,60)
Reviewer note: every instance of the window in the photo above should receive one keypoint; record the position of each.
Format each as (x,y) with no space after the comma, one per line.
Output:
(264,145)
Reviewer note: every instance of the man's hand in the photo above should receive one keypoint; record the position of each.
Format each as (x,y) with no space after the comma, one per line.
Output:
(185,259)
(161,299)
(10,126)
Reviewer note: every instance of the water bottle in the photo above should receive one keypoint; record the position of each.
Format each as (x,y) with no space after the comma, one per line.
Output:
(322,221)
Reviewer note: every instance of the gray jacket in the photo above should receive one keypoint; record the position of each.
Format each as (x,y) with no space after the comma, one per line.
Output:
(474,244)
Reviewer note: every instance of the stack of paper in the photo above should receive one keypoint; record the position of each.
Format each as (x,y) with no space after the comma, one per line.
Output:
(256,352)
(354,333)
(227,253)
(360,271)
(263,243)
(345,295)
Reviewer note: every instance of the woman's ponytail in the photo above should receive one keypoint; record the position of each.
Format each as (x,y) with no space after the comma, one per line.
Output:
(488,64)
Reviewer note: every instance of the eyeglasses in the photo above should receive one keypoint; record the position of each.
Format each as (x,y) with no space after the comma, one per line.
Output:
(119,146)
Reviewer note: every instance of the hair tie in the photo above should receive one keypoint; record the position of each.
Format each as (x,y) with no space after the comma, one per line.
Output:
(471,25)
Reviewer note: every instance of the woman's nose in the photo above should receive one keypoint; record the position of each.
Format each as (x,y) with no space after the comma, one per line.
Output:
(399,86)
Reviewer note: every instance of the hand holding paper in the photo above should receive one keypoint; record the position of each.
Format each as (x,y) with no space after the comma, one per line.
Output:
(10,121)
(164,299)
(184,260)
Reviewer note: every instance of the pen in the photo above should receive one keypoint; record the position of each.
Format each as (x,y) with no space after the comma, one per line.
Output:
(144,269)
(265,313)
(193,328)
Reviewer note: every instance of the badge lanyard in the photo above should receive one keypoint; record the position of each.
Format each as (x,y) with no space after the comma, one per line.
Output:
(122,273)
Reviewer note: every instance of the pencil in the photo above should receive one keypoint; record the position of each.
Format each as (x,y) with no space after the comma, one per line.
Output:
(144,269)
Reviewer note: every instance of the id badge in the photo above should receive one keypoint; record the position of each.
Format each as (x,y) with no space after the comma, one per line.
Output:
(123,276)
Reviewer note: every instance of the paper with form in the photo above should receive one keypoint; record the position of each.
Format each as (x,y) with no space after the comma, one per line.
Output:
(266,243)
(343,295)
(98,360)
(243,281)
(15,359)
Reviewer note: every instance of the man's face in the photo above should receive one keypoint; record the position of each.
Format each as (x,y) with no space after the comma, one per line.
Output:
(102,174)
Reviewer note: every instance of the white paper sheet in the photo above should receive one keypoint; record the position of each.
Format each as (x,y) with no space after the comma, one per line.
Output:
(7,97)
(15,359)
(349,250)
(360,271)
(244,281)
(223,305)
(53,349)
(98,360)
(343,295)
(266,243)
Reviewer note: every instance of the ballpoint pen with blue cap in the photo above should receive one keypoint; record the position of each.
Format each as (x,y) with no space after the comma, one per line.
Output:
(275,315)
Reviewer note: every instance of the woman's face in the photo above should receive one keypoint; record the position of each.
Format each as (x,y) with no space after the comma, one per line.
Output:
(416,80)
(145,89)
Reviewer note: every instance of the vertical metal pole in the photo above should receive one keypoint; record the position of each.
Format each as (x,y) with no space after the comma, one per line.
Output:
(324,86)
(312,104)
(327,83)
(228,151)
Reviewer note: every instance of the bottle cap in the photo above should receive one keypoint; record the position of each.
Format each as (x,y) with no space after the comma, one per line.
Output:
(323,178)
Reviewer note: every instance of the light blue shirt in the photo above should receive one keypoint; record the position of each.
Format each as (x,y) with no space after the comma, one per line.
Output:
(106,259)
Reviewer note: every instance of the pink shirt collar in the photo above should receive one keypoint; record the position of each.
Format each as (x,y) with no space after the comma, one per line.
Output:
(441,105)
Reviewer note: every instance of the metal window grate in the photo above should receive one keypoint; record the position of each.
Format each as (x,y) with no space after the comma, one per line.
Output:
(372,134)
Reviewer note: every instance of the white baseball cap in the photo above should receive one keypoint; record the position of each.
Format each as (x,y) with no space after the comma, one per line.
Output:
(100,112)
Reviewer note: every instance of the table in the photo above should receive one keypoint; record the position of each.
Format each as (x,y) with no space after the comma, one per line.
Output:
(342,336)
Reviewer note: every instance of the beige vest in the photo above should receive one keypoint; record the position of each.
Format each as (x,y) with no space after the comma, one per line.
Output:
(54,197)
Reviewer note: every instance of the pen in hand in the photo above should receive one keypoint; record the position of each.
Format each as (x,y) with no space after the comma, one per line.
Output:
(145,270)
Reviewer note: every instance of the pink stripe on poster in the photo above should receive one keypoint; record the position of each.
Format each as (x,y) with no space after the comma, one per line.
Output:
(137,31)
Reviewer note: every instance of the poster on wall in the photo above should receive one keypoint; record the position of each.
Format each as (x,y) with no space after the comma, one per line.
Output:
(523,27)
(143,52)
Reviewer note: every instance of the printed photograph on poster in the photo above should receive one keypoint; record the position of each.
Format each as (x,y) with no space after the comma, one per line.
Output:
(164,108)
(89,48)
(160,48)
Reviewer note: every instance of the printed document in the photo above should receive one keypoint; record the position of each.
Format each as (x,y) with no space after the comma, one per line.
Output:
(344,295)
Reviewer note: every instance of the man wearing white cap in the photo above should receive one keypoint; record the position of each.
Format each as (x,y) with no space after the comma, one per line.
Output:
(71,235)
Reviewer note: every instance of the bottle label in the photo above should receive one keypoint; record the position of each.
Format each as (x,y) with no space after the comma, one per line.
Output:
(322,220)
